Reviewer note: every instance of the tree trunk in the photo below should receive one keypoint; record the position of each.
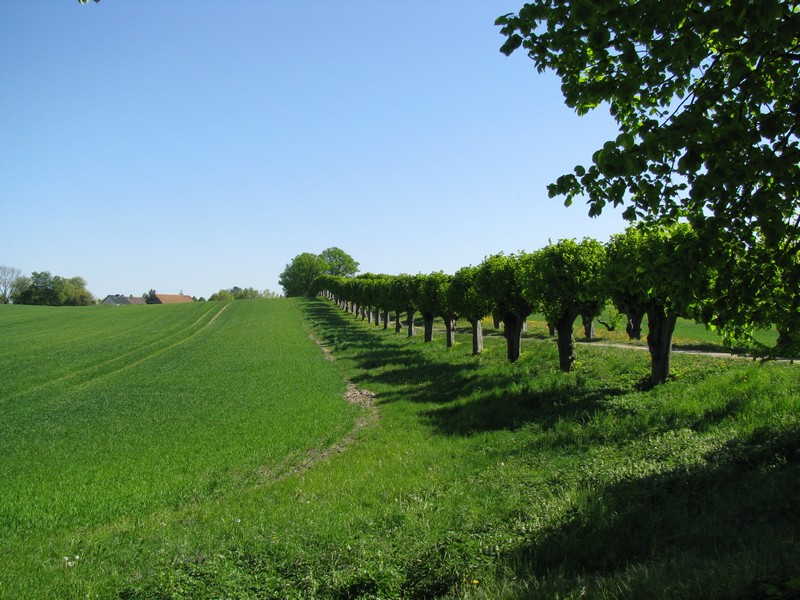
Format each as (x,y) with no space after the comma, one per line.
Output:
(386,318)
(634,324)
(427,319)
(566,340)
(661,325)
(450,327)
(496,321)
(477,336)
(587,320)
(410,323)
(551,329)
(398,323)
(513,335)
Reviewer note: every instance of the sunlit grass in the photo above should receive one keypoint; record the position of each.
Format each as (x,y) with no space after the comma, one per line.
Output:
(160,415)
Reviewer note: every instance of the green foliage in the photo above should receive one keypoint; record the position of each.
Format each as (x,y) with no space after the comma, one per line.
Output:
(564,280)
(307,273)
(339,263)
(465,296)
(705,96)
(45,289)
(658,264)
(222,296)
(237,293)
(299,277)
(567,277)
(501,279)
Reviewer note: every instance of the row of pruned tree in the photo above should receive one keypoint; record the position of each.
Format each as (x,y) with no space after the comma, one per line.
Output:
(657,271)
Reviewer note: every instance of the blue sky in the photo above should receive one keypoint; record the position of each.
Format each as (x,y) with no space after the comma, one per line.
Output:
(196,145)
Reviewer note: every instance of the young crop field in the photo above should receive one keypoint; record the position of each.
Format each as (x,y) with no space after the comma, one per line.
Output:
(115,419)
(207,451)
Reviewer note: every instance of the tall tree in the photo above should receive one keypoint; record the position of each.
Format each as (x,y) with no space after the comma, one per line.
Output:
(8,276)
(299,277)
(338,262)
(706,97)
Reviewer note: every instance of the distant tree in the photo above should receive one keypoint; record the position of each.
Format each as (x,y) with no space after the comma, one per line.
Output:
(248,293)
(8,276)
(45,289)
(39,291)
(150,297)
(71,292)
(338,262)
(20,289)
(299,278)
(222,296)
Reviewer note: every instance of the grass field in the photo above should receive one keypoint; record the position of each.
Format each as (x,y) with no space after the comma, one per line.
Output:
(181,454)
(114,418)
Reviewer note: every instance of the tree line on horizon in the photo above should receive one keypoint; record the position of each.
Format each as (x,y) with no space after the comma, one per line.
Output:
(42,288)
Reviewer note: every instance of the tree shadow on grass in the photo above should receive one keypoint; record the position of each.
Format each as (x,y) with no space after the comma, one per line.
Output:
(468,400)
(407,373)
(512,408)
(736,512)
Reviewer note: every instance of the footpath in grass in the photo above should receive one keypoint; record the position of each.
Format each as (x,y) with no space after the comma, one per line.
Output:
(484,479)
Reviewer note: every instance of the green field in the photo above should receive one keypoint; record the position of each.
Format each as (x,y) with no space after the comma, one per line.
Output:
(114,418)
(206,451)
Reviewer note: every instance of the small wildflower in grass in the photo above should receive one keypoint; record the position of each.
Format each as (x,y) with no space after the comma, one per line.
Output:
(475,582)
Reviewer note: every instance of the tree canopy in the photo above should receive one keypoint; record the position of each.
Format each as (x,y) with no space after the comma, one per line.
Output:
(301,276)
(8,281)
(51,290)
(706,97)
(339,263)
(565,280)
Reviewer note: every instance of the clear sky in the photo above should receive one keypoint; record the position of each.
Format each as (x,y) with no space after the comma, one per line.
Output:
(195,145)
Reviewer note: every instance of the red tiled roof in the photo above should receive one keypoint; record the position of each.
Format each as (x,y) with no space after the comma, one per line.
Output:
(173,298)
